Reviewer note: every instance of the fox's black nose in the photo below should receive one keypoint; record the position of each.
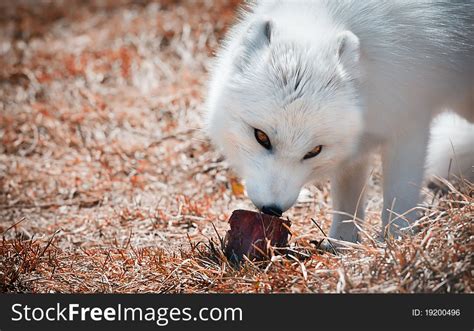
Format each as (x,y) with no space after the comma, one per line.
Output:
(272,210)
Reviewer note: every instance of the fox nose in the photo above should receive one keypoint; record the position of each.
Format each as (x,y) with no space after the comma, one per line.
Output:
(272,210)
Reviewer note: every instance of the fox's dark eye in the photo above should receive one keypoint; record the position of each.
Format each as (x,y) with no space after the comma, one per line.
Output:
(314,152)
(263,139)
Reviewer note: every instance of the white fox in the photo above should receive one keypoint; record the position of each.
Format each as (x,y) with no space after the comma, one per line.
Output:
(306,90)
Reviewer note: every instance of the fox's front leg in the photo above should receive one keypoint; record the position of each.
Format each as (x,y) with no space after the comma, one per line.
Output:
(347,187)
(403,160)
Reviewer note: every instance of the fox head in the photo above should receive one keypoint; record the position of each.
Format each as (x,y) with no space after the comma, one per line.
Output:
(284,109)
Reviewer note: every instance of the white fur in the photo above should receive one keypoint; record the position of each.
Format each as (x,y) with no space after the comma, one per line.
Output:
(451,148)
(350,75)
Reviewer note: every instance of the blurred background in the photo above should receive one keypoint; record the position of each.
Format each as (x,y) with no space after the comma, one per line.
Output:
(100,112)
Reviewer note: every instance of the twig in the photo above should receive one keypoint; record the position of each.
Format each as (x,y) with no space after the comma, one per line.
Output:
(326,237)
(81,204)
(12,226)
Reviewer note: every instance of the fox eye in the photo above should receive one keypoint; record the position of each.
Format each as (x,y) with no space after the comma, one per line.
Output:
(314,152)
(263,139)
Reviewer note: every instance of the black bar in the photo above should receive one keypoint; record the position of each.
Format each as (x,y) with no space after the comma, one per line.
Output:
(259,312)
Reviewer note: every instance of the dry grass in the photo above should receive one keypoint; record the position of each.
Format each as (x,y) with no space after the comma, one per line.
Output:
(108,185)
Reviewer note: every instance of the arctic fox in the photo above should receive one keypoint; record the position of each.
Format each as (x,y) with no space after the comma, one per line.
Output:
(306,90)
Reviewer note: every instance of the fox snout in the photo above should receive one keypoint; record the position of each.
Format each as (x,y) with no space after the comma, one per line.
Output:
(272,210)
(270,200)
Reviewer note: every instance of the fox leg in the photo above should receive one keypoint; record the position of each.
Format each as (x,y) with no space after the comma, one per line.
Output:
(347,187)
(403,160)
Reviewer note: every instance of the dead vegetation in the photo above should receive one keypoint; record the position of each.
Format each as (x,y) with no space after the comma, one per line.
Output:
(107,183)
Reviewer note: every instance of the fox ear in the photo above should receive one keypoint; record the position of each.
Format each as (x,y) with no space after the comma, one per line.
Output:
(257,37)
(348,48)
(259,34)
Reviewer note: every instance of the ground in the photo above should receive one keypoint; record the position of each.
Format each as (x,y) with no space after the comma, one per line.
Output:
(109,184)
